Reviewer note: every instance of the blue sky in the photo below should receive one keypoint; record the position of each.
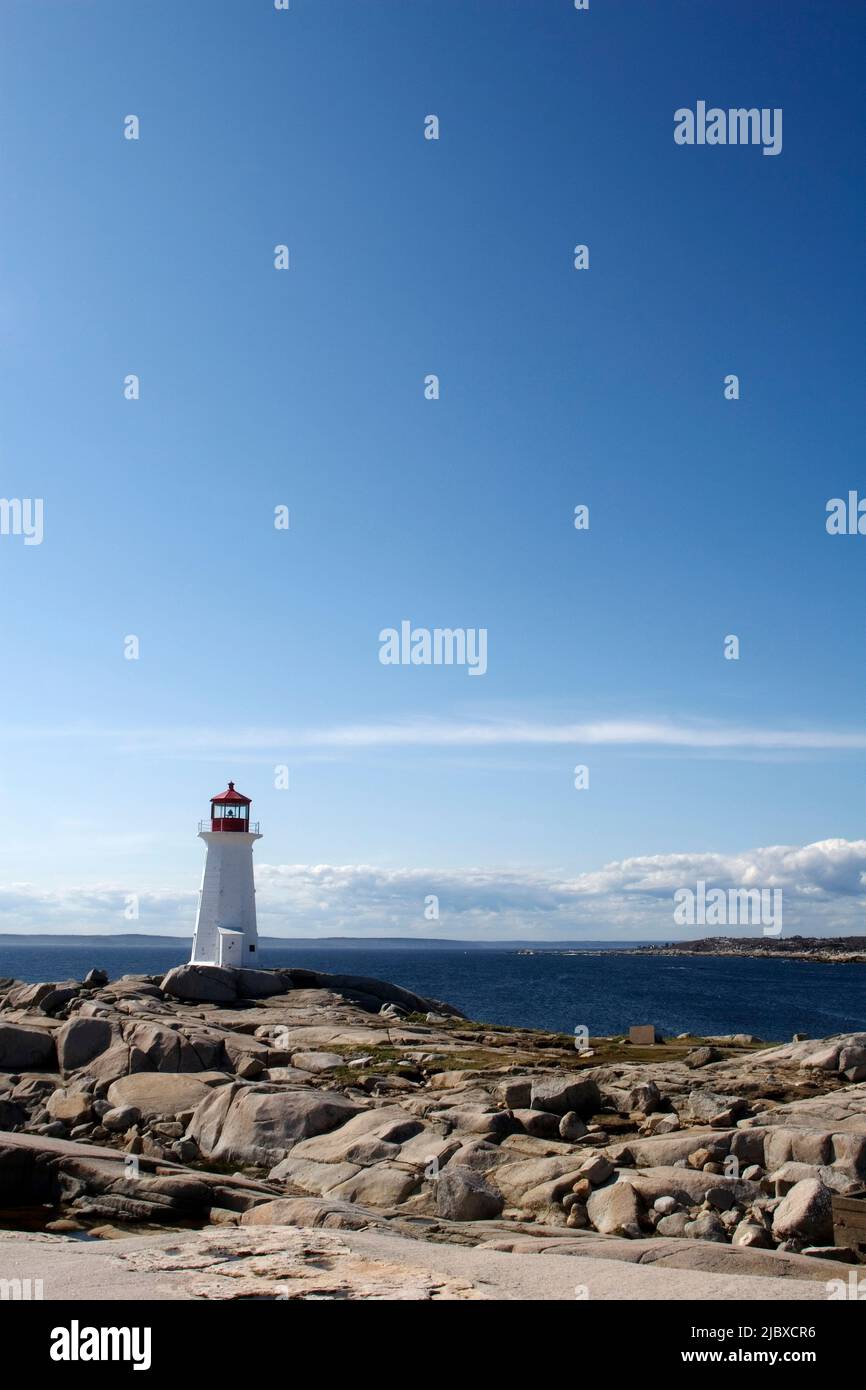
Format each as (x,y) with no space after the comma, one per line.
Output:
(259,387)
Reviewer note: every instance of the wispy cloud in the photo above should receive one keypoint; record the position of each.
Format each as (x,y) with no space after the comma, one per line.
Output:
(824,886)
(458,733)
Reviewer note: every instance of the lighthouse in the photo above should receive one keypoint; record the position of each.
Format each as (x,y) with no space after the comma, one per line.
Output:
(225,925)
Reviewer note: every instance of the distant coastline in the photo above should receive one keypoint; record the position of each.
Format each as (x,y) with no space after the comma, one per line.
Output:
(817,950)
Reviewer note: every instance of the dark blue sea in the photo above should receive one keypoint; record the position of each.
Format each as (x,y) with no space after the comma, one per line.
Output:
(605,992)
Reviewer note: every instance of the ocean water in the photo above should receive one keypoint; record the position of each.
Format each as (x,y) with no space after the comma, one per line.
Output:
(603,991)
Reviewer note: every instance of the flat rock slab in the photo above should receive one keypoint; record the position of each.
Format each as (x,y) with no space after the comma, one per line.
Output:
(109,1160)
(662,1253)
(797,1053)
(841,1111)
(315,1036)
(290,1264)
(317,1061)
(163,1093)
(71,1148)
(284,1263)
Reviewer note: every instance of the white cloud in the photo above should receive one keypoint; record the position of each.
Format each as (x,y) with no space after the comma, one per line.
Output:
(476,734)
(98,908)
(824,886)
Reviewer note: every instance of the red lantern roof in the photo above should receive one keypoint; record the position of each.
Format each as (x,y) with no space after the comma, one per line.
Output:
(230,795)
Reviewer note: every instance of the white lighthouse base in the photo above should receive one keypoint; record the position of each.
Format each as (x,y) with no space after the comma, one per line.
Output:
(231,948)
(225,928)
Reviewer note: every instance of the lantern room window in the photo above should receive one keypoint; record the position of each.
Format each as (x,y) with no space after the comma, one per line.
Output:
(230,811)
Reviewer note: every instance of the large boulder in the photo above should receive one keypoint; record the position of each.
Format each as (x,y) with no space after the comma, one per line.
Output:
(783,1145)
(209,1049)
(429,1150)
(25,1049)
(470,1119)
(154,1047)
(849,1152)
(571,1127)
(109,1066)
(240,1047)
(316,1179)
(136,989)
(515,1179)
(59,997)
(539,1123)
(596,1169)
(71,1106)
(614,1210)
(207,984)
(662,1150)
(246,1125)
(82,1039)
(673,1225)
(309,1211)
(689,1185)
(387,1125)
(382,1185)
(561,1094)
(217,984)
(515,1091)
(709,1107)
(370,994)
(316,1062)
(749,1233)
(789,1174)
(824,1059)
(158,1093)
(464,1195)
(702,1057)
(261,984)
(29,996)
(121,1118)
(644,1098)
(545,1198)
(805,1214)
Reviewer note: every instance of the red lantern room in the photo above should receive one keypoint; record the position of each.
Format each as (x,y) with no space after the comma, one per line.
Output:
(230,811)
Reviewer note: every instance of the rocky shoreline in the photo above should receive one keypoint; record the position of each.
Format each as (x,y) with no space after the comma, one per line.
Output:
(243,1107)
(837,950)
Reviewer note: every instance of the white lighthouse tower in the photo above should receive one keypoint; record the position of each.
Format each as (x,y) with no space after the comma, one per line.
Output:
(225,925)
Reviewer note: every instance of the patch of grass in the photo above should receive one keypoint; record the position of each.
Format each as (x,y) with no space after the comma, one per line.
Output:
(493,1047)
